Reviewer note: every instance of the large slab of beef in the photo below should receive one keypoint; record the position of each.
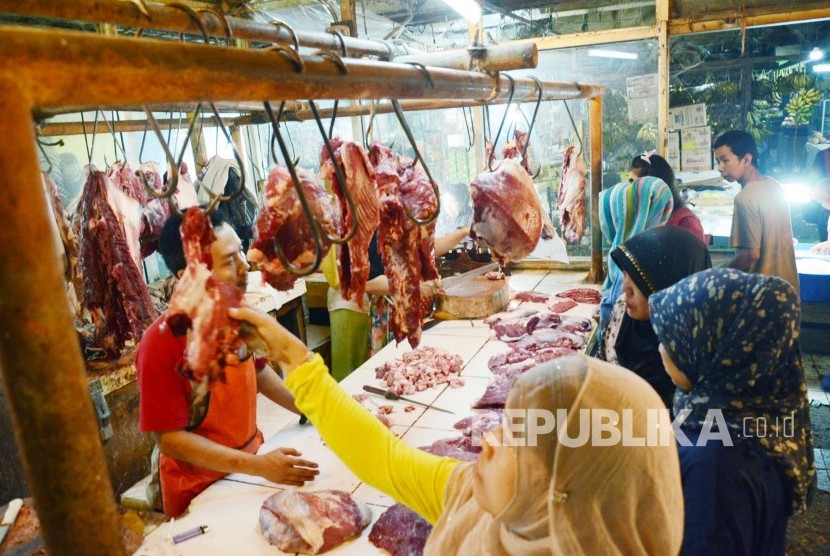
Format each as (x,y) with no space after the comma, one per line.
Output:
(480,422)
(312,522)
(154,212)
(506,367)
(420,369)
(200,304)
(506,211)
(531,297)
(561,305)
(571,197)
(400,531)
(282,222)
(353,256)
(406,247)
(115,293)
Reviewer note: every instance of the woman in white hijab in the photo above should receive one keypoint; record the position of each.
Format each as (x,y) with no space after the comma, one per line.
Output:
(522,496)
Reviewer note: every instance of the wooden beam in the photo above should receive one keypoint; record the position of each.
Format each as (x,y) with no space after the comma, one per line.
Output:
(593,37)
(662,11)
(596,274)
(72,78)
(729,20)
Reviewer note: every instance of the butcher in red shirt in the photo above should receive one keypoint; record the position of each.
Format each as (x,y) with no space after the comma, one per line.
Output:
(204,433)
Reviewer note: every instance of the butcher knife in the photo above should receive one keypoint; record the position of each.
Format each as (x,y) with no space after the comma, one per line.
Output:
(9,517)
(390,395)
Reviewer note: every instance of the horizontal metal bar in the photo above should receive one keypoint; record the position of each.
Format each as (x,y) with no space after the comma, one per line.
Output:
(500,57)
(166,18)
(63,69)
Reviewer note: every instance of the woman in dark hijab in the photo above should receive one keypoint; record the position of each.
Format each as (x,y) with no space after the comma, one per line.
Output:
(729,341)
(650,261)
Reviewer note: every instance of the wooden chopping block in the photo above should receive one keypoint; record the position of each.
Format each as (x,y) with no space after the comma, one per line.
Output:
(473,297)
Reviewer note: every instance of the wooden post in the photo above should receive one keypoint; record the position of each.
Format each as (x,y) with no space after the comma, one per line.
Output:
(43,370)
(662,76)
(596,274)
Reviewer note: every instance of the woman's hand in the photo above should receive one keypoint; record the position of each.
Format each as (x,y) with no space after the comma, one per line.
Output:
(279,345)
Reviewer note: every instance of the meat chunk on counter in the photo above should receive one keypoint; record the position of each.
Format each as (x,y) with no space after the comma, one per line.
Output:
(400,531)
(312,522)
(420,369)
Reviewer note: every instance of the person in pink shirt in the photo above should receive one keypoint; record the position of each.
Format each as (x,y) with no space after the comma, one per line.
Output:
(650,164)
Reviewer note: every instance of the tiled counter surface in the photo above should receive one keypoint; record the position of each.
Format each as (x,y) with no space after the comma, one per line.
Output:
(230,507)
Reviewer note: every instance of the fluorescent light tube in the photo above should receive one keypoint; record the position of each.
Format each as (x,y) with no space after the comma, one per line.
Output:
(821,68)
(603,53)
(468,9)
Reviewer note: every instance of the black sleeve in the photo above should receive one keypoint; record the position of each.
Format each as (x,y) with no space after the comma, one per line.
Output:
(375,260)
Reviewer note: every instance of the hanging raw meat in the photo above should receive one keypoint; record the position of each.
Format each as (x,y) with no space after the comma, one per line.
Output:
(507,214)
(200,304)
(406,247)
(400,531)
(312,522)
(571,198)
(69,244)
(128,199)
(353,256)
(114,290)
(154,212)
(281,221)
(515,149)
(185,195)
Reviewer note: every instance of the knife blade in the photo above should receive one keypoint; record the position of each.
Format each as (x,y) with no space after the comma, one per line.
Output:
(390,395)
(9,517)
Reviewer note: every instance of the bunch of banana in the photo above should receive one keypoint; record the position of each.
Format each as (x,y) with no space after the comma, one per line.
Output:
(647,133)
(801,105)
(800,80)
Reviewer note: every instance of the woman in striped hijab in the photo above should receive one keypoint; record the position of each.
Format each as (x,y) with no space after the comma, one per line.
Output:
(626,210)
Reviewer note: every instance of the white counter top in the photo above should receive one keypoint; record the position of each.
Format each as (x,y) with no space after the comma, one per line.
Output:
(230,507)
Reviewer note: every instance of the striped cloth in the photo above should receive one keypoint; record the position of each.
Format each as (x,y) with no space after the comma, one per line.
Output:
(625,210)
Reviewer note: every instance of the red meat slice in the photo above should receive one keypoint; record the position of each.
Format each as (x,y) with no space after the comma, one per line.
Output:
(560,306)
(282,221)
(531,297)
(582,295)
(312,522)
(400,531)
(571,198)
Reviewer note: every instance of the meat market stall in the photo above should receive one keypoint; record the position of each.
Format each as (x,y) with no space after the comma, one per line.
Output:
(230,508)
(48,71)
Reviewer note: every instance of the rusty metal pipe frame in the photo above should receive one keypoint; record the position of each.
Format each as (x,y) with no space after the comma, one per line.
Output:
(63,69)
(42,367)
(166,18)
(500,57)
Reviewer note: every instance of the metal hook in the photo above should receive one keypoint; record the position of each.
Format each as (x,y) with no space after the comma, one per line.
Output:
(292,55)
(344,53)
(172,162)
(221,17)
(90,148)
(291,33)
(41,144)
(425,72)
(191,13)
(408,132)
(341,179)
(573,124)
(115,139)
(503,119)
(532,122)
(469,127)
(370,128)
(315,230)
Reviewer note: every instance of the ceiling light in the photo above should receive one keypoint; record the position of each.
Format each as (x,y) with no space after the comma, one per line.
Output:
(821,68)
(468,9)
(602,53)
(816,54)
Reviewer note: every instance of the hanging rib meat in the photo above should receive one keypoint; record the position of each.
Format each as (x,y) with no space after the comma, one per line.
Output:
(282,220)
(507,214)
(114,290)
(200,303)
(515,149)
(154,212)
(70,244)
(572,196)
(353,256)
(406,248)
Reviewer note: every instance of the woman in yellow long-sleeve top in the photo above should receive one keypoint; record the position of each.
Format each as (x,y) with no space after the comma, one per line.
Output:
(520,497)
